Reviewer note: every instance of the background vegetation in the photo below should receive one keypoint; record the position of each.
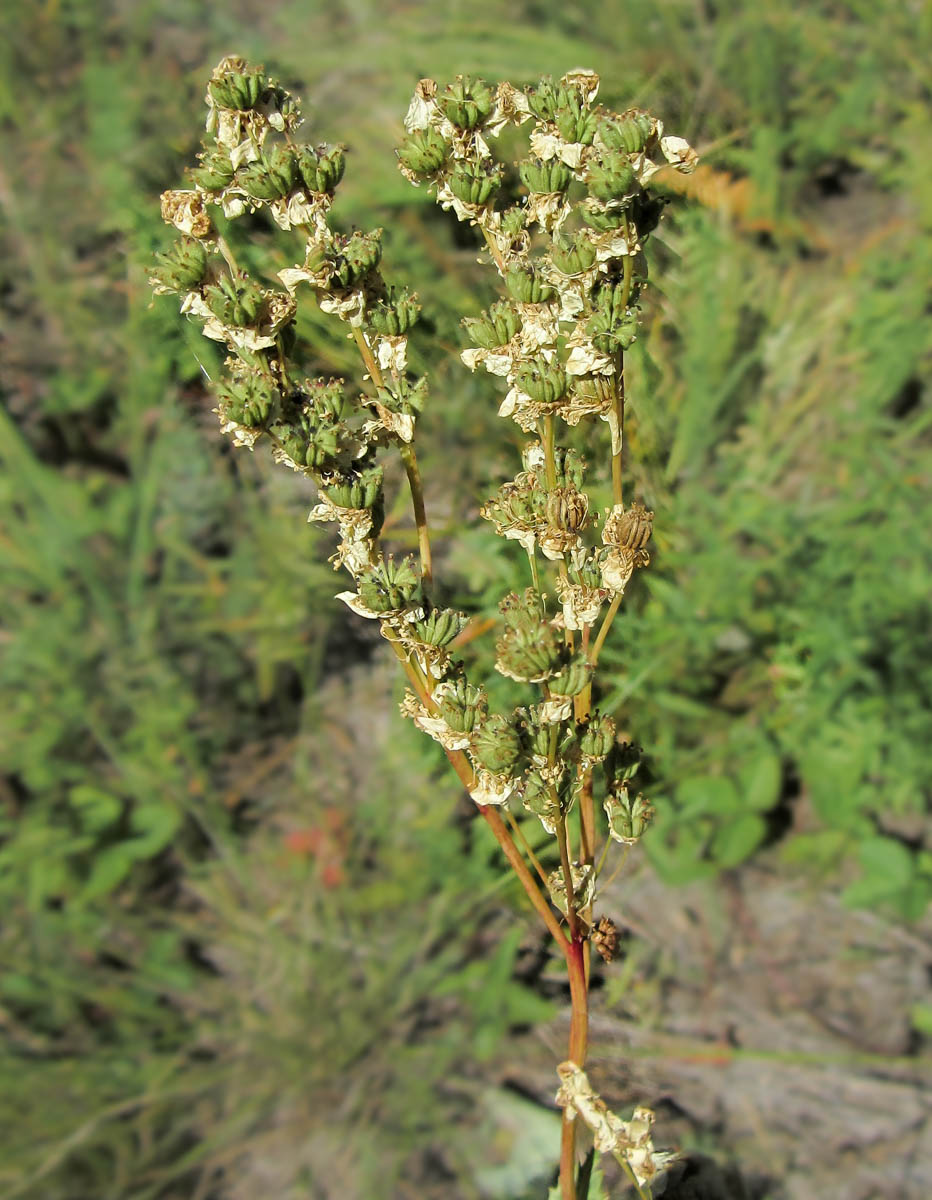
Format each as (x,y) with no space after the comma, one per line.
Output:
(224,943)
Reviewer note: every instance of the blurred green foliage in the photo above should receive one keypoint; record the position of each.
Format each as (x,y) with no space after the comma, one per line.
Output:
(183,994)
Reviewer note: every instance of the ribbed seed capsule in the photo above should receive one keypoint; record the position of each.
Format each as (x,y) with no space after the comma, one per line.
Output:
(630,529)
(527,287)
(461,706)
(494,328)
(576,124)
(544,382)
(237,90)
(497,745)
(630,132)
(235,302)
(361,491)
(545,177)
(597,737)
(394,316)
(466,102)
(358,256)
(572,258)
(321,169)
(475,183)
(572,679)
(248,402)
(423,152)
(610,334)
(439,627)
(183,266)
(567,509)
(214,171)
(627,818)
(270,177)
(612,178)
(389,586)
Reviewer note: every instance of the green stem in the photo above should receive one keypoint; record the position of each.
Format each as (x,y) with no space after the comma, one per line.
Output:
(606,625)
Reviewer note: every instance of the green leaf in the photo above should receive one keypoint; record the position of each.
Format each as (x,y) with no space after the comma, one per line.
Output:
(97,809)
(759,781)
(111,867)
(706,794)
(735,841)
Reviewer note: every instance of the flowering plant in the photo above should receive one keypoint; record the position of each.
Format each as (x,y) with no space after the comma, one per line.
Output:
(564,228)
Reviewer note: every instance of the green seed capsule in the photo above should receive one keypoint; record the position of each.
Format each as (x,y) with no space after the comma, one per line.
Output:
(572,679)
(439,627)
(182,267)
(462,706)
(612,178)
(360,254)
(494,328)
(528,288)
(466,103)
(392,316)
(237,302)
(572,258)
(543,98)
(475,183)
(545,177)
(215,171)
(327,398)
(577,125)
(238,90)
(597,737)
(423,152)
(497,746)
(544,382)
(321,169)
(630,132)
(628,818)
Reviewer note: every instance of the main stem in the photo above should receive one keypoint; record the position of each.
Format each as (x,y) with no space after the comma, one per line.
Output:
(579,1041)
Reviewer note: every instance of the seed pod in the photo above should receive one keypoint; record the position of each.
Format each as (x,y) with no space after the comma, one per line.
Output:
(393,316)
(475,183)
(360,254)
(576,124)
(567,509)
(600,217)
(597,737)
(572,258)
(439,627)
(630,132)
(249,401)
(327,399)
(461,706)
(544,382)
(527,287)
(609,335)
(423,152)
(215,171)
(321,169)
(572,679)
(627,819)
(612,178)
(538,797)
(497,745)
(257,182)
(583,881)
(238,90)
(282,169)
(528,656)
(235,302)
(629,529)
(389,586)
(466,102)
(545,177)
(182,267)
(604,936)
(494,328)
(543,98)
(360,491)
